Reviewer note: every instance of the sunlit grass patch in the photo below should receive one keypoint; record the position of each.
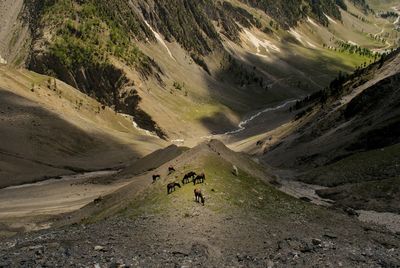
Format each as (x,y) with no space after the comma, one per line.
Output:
(224,193)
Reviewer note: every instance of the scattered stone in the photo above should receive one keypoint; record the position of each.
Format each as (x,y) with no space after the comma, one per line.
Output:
(117,265)
(328,245)
(99,248)
(295,254)
(242,258)
(35,247)
(306,199)
(316,241)
(270,264)
(351,212)
(179,253)
(235,170)
(98,200)
(306,247)
(330,235)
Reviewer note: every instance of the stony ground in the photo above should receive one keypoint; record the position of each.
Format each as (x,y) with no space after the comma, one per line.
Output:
(203,237)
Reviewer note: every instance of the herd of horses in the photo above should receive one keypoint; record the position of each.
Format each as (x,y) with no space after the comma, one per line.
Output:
(187,178)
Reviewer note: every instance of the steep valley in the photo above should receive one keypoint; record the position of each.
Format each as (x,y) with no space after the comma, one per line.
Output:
(208,72)
(290,109)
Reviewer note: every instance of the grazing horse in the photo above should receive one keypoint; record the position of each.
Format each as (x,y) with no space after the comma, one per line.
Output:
(198,196)
(188,176)
(199,178)
(171,169)
(171,187)
(155,177)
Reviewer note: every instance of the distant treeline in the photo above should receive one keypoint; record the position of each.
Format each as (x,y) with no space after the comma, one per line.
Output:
(388,14)
(338,85)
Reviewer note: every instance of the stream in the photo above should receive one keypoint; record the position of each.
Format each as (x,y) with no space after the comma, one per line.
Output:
(242,125)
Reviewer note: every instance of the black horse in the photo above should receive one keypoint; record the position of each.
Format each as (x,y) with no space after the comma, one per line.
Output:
(171,187)
(155,177)
(188,176)
(199,178)
(198,196)
(171,170)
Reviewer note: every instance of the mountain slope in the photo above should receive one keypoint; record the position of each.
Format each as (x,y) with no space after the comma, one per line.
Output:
(53,129)
(350,138)
(151,58)
(196,159)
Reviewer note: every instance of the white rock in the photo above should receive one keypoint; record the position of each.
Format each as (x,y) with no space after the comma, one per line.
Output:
(2,61)
(98,248)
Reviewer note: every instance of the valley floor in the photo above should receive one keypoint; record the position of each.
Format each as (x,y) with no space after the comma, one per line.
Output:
(31,207)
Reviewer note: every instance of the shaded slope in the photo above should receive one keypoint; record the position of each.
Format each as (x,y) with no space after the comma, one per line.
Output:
(356,110)
(352,137)
(152,161)
(51,129)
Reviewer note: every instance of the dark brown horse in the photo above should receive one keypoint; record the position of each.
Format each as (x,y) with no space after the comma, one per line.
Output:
(171,187)
(198,196)
(199,178)
(188,176)
(171,170)
(155,177)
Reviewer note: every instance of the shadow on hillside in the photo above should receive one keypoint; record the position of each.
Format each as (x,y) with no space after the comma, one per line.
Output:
(218,123)
(37,143)
(252,82)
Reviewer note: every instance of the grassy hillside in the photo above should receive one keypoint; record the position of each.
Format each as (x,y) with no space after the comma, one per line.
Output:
(224,193)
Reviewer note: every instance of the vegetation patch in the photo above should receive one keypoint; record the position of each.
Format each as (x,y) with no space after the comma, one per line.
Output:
(224,193)
(86,33)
